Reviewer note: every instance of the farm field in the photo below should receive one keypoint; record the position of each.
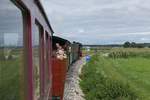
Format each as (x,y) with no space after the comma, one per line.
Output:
(117,74)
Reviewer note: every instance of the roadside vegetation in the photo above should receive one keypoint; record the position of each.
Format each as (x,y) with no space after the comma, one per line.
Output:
(117,74)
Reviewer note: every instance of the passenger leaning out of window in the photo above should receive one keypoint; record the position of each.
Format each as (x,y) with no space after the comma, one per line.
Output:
(60,53)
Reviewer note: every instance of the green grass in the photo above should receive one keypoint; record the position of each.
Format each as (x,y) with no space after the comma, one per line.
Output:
(135,71)
(10,76)
(9,88)
(107,78)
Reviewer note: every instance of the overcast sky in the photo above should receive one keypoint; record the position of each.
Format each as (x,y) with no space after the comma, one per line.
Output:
(100,21)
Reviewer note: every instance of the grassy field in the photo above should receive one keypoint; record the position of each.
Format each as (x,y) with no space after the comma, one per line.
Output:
(10,74)
(118,74)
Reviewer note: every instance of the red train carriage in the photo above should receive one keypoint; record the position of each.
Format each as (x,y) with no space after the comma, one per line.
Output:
(25,51)
(60,66)
(61,48)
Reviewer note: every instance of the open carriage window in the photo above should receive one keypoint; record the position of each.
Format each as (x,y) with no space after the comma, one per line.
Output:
(60,48)
(11,51)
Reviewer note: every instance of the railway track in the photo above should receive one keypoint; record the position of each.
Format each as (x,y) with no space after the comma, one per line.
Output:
(72,89)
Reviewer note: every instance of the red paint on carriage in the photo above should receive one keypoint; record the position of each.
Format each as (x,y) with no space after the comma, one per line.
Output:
(59,70)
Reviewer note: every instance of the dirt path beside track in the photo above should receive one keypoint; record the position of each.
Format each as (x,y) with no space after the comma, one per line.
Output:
(72,88)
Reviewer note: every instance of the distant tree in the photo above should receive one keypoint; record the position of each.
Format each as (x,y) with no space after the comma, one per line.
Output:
(133,45)
(126,44)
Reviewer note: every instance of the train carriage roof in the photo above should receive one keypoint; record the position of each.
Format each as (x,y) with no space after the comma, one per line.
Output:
(61,41)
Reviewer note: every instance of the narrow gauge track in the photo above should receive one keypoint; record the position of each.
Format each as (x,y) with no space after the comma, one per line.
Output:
(72,89)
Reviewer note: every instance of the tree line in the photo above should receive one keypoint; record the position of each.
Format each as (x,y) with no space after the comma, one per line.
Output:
(135,45)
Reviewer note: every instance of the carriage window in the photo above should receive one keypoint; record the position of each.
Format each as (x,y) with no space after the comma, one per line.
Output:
(36,60)
(11,51)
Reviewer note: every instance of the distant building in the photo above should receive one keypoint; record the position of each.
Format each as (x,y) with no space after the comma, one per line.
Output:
(88,48)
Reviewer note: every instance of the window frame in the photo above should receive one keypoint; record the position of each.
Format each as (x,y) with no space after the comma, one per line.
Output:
(41,56)
(47,66)
(26,83)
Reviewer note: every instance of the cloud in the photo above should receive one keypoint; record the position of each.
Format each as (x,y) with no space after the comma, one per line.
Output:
(99,21)
(81,30)
(10,17)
